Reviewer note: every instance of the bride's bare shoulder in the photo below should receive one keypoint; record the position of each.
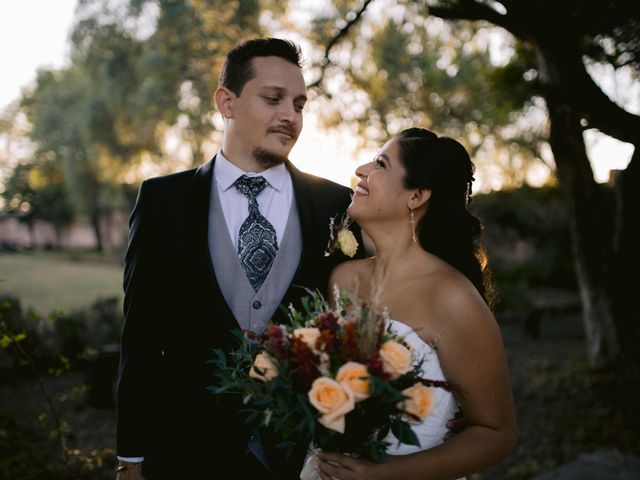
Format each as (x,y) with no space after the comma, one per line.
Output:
(348,275)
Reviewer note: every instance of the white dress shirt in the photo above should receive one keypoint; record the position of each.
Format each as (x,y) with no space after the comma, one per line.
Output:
(274,203)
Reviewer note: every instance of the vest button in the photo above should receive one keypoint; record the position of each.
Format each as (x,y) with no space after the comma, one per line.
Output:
(257,305)
(253,438)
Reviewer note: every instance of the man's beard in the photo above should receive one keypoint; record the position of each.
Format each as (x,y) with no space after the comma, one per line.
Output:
(266,158)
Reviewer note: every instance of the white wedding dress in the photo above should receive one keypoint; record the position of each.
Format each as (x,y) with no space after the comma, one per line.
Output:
(432,430)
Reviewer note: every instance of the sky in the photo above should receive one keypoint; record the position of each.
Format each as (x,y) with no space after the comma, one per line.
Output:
(34,34)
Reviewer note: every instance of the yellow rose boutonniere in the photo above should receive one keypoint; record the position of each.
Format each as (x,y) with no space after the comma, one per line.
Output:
(341,237)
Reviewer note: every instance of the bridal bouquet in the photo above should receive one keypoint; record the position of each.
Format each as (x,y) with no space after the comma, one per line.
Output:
(337,377)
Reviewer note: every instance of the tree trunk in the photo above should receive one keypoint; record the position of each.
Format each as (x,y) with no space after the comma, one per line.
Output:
(588,230)
(590,233)
(58,232)
(626,261)
(606,255)
(32,235)
(97,229)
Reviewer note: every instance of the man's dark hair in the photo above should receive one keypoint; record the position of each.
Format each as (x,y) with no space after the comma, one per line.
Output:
(238,66)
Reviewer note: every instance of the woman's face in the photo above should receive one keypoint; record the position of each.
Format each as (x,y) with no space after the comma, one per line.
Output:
(380,194)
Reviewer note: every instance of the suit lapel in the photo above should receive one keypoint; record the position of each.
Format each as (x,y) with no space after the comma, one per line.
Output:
(307,213)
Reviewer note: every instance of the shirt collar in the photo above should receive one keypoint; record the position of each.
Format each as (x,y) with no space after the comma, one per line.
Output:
(226,173)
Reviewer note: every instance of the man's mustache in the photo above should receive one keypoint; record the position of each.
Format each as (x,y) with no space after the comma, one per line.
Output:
(284,128)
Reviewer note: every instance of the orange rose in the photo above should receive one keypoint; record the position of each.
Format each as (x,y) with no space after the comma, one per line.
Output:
(307,335)
(264,368)
(355,376)
(333,401)
(419,402)
(396,358)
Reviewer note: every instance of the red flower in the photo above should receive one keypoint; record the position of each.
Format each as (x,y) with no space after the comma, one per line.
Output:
(376,365)
(327,321)
(305,362)
(326,341)
(349,343)
(275,341)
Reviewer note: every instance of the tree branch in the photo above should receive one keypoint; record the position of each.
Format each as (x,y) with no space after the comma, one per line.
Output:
(336,38)
(471,10)
(566,58)
(571,81)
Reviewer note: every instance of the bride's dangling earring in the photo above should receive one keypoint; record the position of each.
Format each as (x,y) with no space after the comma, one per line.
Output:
(413,227)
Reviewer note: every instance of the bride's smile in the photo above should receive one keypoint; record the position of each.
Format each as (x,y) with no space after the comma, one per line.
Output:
(381,194)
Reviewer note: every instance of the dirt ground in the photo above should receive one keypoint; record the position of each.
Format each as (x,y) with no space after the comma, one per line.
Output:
(565,408)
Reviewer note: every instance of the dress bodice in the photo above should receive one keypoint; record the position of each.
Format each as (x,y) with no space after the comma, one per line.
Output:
(432,430)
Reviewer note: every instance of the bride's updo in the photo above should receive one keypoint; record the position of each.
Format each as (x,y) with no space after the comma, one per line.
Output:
(448,229)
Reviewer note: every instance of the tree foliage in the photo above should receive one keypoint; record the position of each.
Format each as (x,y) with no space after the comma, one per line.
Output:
(413,69)
(496,103)
(142,75)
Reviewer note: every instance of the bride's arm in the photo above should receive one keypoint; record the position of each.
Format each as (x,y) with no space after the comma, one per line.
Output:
(471,353)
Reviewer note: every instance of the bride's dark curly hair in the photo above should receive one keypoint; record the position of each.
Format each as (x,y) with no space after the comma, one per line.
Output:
(448,229)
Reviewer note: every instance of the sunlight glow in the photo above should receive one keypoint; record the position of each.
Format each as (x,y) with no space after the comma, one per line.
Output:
(333,155)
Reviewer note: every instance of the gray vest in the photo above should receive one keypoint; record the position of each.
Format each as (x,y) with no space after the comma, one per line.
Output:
(252,309)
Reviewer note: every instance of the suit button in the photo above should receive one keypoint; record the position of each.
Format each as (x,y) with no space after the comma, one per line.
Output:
(253,438)
(257,305)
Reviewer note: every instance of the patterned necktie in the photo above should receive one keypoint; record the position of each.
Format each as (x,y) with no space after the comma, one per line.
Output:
(257,242)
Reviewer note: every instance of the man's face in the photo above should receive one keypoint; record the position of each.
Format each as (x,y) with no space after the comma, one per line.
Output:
(266,118)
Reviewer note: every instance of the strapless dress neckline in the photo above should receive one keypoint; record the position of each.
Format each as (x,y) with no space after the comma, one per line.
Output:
(432,430)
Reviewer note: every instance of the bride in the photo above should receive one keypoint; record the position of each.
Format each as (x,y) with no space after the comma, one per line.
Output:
(412,202)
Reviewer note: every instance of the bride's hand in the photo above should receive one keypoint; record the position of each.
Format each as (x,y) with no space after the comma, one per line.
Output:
(334,466)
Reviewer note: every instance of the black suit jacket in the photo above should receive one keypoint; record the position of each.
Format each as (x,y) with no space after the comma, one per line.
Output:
(175,315)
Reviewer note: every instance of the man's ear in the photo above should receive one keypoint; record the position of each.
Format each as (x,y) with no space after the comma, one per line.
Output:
(224,101)
(419,197)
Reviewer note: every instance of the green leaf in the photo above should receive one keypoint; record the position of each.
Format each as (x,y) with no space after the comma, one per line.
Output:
(403,432)
(383,432)
(378,453)
(19,337)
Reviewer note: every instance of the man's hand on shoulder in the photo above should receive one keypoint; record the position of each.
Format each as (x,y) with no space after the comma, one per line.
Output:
(129,471)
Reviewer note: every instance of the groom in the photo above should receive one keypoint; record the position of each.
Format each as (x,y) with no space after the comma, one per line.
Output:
(211,250)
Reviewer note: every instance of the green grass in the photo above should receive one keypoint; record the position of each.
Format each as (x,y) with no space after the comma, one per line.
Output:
(45,281)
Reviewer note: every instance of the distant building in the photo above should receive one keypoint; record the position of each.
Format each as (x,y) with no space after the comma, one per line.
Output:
(15,234)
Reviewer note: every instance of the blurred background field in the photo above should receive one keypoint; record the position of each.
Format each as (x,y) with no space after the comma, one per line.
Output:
(46,281)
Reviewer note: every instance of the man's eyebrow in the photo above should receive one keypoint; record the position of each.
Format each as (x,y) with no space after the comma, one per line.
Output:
(273,87)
